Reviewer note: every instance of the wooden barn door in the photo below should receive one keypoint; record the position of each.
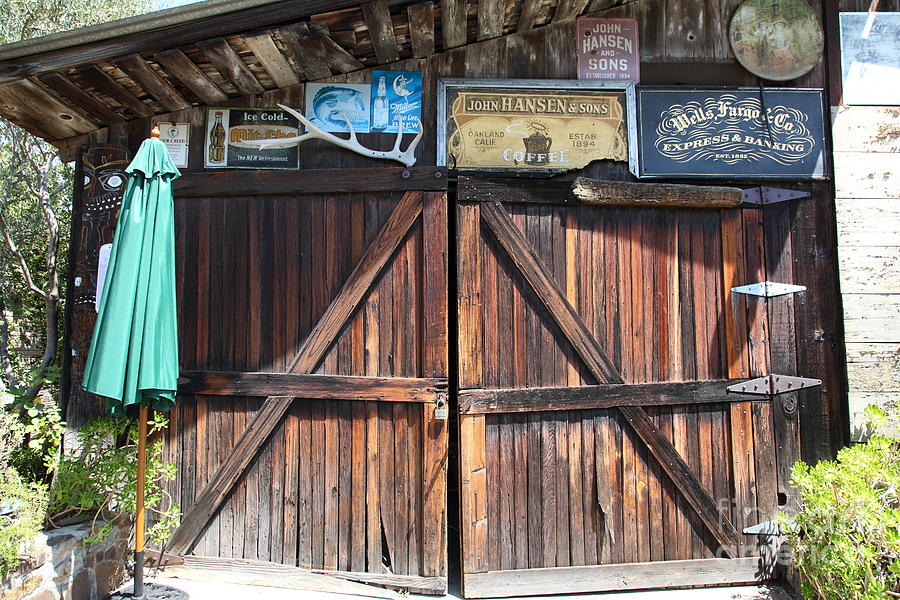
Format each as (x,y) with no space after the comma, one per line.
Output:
(598,447)
(314,356)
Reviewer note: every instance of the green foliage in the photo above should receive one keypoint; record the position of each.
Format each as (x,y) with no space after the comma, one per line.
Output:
(846,535)
(102,478)
(22,504)
(35,432)
(26,503)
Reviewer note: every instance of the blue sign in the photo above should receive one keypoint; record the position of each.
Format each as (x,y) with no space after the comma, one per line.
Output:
(396,95)
(330,105)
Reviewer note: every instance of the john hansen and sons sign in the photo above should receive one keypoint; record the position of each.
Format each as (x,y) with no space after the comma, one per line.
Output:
(532,126)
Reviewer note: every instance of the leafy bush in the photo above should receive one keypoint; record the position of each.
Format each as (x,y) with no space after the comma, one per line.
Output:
(21,516)
(846,535)
(22,504)
(101,478)
(38,431)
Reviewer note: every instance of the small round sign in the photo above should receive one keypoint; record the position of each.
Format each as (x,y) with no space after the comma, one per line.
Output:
(776,39)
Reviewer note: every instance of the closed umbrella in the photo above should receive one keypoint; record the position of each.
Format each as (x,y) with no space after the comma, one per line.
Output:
(133,360)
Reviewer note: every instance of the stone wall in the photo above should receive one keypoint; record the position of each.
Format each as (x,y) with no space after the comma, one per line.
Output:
(62,566)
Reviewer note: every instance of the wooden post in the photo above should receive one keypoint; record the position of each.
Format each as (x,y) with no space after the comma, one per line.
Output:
(140,514)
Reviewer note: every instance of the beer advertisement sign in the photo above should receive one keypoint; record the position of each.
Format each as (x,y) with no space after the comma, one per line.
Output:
(748,133)
(396,98)
(229,132)
(608,49)
(534,126)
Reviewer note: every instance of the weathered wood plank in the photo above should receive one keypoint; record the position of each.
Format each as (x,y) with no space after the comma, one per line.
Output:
(569,9)
(628,576)
(359,281)
(325,387)
(182,68)
(473,401)
(324,181)
(528,15)
(421,29)
(453,22)
(783,347)
(593,191)
(221,24)
(336,56)
(435,363)
(99,80)
(866,175)
(154,84)
(870,223)
(685,480)
(231,66)
(866,129)
(473,478)
(870,269)
(381,30)
(521,253)
(27,105)
(270,57)
(490,19)
(220,484)
(91,106)
(309,60)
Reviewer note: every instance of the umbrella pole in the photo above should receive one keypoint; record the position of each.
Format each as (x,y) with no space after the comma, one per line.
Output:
(140,516)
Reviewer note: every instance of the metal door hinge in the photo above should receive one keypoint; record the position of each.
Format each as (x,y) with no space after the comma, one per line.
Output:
(768,289)
(772,385)
(764,195)
(766,528)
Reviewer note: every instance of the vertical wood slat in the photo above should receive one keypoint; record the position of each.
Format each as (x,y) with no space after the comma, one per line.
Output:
(473,484)
(741,417)
(779,267)
(381,30)
(453,22)
(421,29)
(435,361)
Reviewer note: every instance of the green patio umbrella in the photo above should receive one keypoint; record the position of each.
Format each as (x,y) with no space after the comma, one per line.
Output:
(133,360)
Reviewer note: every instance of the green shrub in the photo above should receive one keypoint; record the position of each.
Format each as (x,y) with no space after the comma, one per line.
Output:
(846,534)
(22,507)
(101,478)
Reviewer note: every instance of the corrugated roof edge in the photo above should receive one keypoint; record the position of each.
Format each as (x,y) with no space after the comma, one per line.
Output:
(138,24)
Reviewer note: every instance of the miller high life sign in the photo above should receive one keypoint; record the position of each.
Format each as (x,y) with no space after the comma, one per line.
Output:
(608,49)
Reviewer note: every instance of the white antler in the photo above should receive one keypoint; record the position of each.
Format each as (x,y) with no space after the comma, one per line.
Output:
(407,157)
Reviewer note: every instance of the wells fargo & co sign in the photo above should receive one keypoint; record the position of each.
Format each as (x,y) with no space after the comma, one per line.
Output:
(531,125)
(738,133)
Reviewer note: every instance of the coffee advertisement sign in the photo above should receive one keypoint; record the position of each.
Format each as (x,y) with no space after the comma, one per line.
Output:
(530,125)
(739,133)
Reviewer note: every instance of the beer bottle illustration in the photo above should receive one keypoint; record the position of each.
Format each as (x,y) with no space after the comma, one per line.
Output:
(217,141)
(380,107)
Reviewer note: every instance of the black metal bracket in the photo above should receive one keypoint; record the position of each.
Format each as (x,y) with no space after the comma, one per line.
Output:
(773,385)
(764,195)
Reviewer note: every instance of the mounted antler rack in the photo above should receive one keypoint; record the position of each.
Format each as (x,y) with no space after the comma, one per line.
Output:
(407,157)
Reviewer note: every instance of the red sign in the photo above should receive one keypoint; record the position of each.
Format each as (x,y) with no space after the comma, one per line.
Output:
(608,49)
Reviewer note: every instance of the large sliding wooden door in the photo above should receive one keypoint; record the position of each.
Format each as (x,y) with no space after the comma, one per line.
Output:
(598,447)
(314,348)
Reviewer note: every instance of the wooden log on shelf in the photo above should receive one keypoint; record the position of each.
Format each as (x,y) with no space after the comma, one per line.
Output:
(623,193)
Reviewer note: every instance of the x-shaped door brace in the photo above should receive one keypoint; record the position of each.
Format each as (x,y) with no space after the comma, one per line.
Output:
(311,353)
(602,368)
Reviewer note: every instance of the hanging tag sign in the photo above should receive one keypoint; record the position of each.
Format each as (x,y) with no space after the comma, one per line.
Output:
(608,49)
(176,137)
